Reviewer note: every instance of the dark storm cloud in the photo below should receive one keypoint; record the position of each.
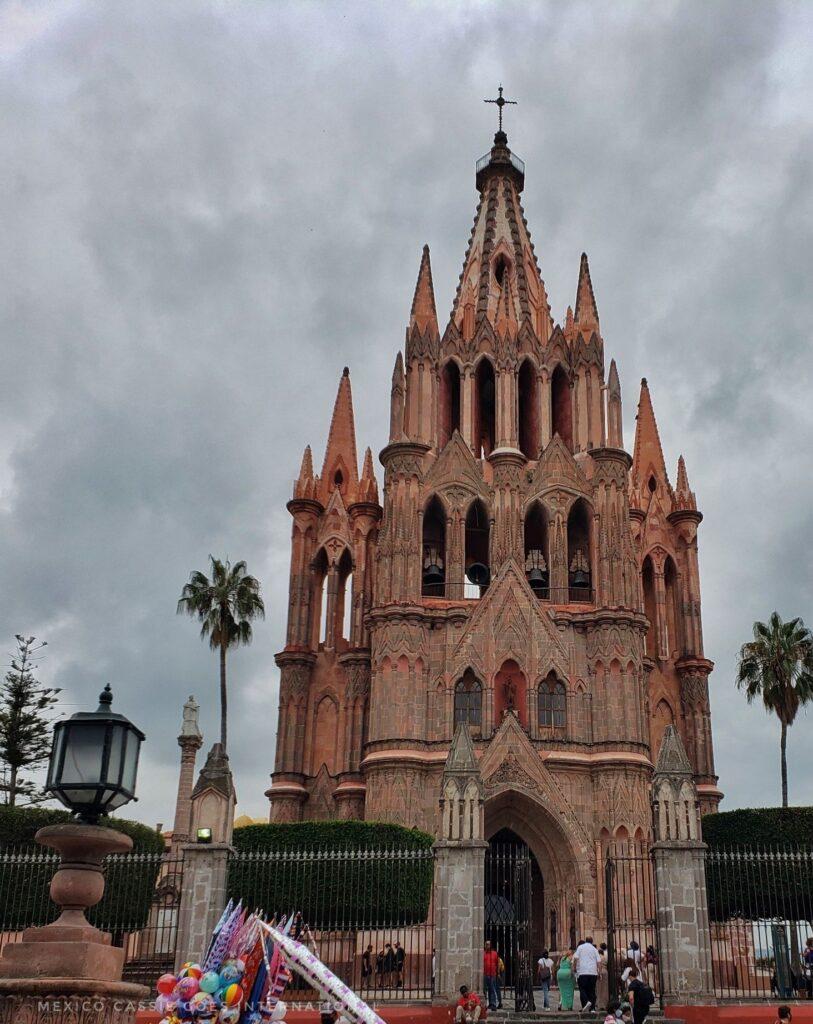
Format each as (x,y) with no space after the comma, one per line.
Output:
(208,209)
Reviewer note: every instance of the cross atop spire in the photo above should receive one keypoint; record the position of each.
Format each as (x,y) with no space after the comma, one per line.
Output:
(501,101)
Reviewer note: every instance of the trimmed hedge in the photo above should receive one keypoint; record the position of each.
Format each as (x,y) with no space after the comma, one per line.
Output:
(760,826)
(344,874)
(776,886)
(129,885)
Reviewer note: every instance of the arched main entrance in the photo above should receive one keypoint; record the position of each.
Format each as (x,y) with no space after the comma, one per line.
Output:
(559,892)
(514,901)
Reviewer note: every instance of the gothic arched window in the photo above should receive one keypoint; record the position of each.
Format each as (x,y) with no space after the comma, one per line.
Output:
(561,413)
(650,607)
(485,409)
(468,701)
(528,410)
(433,550)
(536,550)
(476,550)
(578,552)
(449,401)
(552,703)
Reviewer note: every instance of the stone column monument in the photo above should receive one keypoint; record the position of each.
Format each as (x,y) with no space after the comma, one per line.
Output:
(684,935)
(190,741)
(459,871)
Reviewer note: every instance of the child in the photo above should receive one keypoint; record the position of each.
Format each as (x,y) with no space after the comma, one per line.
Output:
(612,1007)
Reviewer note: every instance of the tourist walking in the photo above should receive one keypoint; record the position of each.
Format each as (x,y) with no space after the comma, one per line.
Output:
(389,964)
(587,961)
(565,980)
(544,973)
(603,982)
(807,962)
(400,956)
(491,968)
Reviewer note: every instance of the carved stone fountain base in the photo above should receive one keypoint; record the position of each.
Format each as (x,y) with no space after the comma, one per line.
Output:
(68,972)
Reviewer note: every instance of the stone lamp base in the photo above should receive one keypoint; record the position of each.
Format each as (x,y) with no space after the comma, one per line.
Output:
(68,971)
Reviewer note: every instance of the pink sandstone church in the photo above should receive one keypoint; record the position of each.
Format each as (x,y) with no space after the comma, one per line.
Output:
(525,575)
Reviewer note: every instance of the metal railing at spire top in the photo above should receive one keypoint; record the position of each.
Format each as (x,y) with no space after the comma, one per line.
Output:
(485,160)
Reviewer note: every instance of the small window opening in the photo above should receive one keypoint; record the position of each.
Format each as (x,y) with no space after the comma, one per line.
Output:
(338,479)
(500,268)
(652,485)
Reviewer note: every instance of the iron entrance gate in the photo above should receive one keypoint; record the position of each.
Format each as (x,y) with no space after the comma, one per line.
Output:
(508,917)
(632,915)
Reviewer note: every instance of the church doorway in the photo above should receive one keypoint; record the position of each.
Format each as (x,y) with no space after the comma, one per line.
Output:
(514,890)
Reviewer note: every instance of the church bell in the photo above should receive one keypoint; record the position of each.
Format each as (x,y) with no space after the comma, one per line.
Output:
(477,573)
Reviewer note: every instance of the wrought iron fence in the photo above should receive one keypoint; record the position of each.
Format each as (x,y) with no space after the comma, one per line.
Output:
(632,926)
(761,913)
(139,907)
(508,900)
(367,914)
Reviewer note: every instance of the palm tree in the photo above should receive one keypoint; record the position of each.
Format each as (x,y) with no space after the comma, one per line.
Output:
(777,665)
(225,606)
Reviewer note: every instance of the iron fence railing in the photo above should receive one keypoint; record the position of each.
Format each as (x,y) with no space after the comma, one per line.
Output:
(761,912)
(466,591)
(139,908)
(632,910)
(367,914)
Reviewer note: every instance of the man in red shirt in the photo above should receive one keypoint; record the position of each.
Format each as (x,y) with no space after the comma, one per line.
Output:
(491,967)
(469,1006)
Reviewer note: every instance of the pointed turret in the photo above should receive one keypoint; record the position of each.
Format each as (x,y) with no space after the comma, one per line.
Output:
(304,485)
(500,248)
(368,486)
(647,459)
(423,317)
(586,314)
(570,328)
(340,468)
(684,495)
(615,431)
(397,400)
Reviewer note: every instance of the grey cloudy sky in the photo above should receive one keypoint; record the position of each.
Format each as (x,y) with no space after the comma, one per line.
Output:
(207,209)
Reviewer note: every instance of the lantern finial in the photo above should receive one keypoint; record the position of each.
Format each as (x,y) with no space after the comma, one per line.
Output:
(105,698)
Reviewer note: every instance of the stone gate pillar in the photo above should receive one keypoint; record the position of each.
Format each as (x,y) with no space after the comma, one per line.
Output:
(459,872)
(684,934)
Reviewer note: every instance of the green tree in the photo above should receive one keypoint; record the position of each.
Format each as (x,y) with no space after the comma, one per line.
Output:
(777,666)
(25,729)
(225,605)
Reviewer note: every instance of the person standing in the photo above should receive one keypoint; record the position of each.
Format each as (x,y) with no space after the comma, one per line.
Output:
(389,964)
(603,982)
(491,967)
(565,979)
(587,961)
(544,972)
(367,965)
(400,956)
(807,962)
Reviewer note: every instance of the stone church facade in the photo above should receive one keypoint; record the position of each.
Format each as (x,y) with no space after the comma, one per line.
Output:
(524,574)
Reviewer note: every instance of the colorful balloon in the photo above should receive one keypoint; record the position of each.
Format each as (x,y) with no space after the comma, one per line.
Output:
(204,1006)
(190,970)
(188,987)
(229,973)
(210,982)
(166,983)
(231,995)
(229,1015)
(279,1011)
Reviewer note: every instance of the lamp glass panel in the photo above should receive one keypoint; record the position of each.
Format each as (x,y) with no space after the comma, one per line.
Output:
(79,796)
(112,801)
(56,753)
(84,748)
(116,748)
(128,779)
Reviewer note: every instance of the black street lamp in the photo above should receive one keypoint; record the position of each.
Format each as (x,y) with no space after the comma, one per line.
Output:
(94,761)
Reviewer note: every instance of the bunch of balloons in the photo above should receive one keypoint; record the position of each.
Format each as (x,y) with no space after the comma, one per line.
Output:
(195,994)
